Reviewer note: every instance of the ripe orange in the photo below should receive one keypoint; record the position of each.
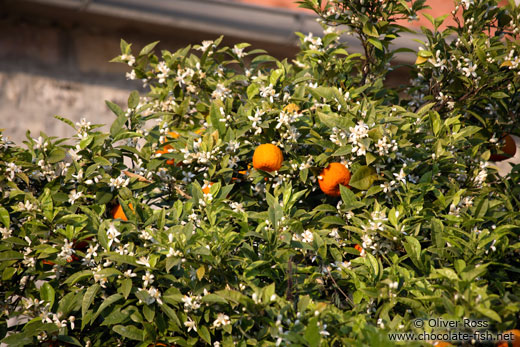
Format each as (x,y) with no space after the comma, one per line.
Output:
(118,213)
(516,339)
(173,134)
(509,148)
(331,177)
(166,148)
(267,157)
(207,187)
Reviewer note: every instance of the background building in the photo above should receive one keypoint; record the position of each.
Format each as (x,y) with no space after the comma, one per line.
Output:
(54,53)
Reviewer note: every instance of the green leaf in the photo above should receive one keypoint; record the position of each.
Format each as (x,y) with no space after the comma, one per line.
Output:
(214,298)
(47,293)
(149,312)
(376,43)
(436,122)
(413,249)
(499,95)
(470,275)
(88,298)
(8,273)
(252,90)
(133,99)
(78,276)
(118,124)
(21,339)
(4,217)
(312,333)
(106,303)
(448,273)
(103,238)
(363,178)
(10,255)
(204,334)
(333,220)
(489,313)
(171,313)
(69,340)
(56,155)
(104,196)
(102,161)
(130,332)
(115,108)
(66,121)
(148,48)
(215,117)
(333,120)
(347,196)
(126,287)
(370,29)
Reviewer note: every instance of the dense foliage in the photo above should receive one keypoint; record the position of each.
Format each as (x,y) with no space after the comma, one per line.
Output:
(426,228)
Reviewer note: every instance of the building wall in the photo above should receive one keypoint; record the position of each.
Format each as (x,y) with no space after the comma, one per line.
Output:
(54,59)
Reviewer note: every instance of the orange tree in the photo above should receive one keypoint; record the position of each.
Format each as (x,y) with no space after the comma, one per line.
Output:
(217,250)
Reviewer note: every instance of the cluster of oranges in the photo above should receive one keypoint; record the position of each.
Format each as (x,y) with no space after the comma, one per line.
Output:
(268,157)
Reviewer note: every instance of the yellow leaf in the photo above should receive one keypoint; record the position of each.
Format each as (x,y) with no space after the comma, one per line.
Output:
(421,60)
(291,108)
(200,272)
(506,63)
(215,135)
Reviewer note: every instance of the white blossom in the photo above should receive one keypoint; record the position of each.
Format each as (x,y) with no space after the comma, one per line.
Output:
(222,319)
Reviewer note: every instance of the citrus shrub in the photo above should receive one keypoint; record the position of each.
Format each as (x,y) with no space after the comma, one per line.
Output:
(309,204)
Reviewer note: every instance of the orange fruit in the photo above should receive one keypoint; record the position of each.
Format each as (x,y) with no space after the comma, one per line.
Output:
(509,148)
(206,189)
(267,157)
(516,339)
(331,178)
(173,134)
(118,213)
(166,148)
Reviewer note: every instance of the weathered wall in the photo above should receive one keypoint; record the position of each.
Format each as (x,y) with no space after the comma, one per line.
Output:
(48,69)
(55,61)
(29,102)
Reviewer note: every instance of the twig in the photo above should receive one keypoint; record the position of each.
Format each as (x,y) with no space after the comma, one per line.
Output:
(349,300)
(181,192)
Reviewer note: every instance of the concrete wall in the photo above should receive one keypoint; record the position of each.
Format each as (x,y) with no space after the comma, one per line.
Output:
(54,58)
(54,61)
